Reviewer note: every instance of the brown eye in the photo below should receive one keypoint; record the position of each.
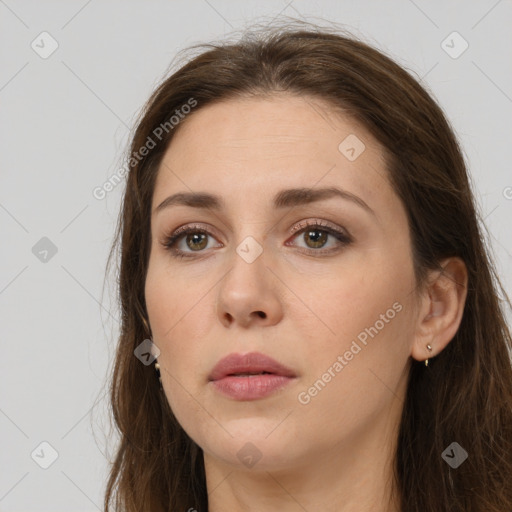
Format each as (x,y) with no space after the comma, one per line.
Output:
(315,235)
(318,237)
(196,240)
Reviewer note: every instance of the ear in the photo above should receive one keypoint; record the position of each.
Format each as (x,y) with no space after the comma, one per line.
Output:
(440,309)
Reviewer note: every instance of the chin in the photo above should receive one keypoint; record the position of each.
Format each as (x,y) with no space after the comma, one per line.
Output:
(257,445)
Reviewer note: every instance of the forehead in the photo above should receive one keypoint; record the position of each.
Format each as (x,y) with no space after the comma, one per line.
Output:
(241,146)
(278,122)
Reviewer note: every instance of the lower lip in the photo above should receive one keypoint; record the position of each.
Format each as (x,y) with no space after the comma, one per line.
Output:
(250,387)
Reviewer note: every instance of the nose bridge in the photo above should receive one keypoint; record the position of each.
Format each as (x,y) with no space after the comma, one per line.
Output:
(250,251)
(249,259)
(249,231)
(248,289)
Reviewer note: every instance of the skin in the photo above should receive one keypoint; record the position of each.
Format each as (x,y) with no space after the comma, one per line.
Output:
(335,452)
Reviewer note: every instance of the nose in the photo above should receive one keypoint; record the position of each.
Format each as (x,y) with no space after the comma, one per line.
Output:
(249,294)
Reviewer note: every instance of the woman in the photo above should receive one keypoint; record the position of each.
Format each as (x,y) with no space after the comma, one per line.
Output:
(310,318)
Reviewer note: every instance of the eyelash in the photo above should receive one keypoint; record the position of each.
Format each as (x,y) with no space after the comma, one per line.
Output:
(343,238)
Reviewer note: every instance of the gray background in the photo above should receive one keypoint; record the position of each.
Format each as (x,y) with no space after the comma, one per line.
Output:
(66,120)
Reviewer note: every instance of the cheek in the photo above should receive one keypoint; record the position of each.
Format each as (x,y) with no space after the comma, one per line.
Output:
(178,315)
(354,374)
(363,316)
(168,300)
(161,304)
(173,335)
(339,305)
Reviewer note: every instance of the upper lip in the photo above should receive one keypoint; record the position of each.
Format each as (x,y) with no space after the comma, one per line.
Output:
(248,363)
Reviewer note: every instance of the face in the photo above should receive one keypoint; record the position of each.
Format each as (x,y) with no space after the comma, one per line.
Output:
(331,302)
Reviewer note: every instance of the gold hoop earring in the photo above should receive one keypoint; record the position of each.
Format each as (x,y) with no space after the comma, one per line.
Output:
(430,350)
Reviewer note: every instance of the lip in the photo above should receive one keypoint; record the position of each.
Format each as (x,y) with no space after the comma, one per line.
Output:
(224,379)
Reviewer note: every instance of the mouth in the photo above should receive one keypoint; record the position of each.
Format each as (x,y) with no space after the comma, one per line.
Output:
(244,365)
(249,376)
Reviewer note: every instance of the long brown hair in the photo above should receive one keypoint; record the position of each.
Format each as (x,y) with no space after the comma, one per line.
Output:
(463,396)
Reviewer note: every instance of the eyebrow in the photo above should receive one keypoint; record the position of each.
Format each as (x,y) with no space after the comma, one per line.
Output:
(283,199)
